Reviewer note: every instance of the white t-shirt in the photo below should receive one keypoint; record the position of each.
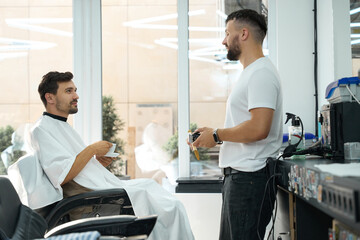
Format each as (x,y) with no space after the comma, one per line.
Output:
(258,86)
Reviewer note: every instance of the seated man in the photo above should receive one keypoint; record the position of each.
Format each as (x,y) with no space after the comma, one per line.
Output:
(73,167)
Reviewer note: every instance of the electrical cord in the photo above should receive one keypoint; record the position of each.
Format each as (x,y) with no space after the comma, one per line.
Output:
(267,187)
(316,93)
(352,94)
(262,204)
(273,217)
(288,151)
(316,150)
(275,200)
(239,3)
(320,151)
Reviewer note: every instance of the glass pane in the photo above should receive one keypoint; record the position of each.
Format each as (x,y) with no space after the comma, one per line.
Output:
(355,35)
(140,75)
(211,74)
(35,38)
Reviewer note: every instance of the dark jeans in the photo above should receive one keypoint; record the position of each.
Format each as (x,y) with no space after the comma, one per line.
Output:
(242,194)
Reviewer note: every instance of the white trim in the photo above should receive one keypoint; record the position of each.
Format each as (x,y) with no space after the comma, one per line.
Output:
(183,87)
(87,68)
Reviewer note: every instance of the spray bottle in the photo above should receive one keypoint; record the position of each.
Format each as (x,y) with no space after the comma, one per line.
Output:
(296,134)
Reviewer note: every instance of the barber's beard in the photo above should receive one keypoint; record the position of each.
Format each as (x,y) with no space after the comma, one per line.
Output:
(234,51)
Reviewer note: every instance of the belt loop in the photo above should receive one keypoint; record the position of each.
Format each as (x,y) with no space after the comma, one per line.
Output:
(226,171)
(229,171)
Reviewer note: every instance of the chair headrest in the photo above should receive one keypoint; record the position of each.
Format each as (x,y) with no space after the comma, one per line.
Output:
(30,182)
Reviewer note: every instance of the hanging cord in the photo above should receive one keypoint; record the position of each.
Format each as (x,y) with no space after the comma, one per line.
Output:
(267,187)
(289,151)
(316,70)
(275,201)
(352,94)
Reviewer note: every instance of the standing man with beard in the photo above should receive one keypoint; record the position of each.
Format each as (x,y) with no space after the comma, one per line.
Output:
(252,131)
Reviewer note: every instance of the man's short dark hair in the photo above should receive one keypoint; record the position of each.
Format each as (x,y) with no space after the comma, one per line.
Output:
(253,19)
(49,83)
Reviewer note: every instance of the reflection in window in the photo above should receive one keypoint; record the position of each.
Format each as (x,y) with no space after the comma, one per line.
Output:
(355,35)
(35,38)
(140,74)
(355,27)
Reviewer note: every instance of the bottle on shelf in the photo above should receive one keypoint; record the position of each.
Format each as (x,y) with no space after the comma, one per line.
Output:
(295,133)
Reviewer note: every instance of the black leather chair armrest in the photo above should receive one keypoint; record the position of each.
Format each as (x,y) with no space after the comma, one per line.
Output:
(116,196)
(120,225)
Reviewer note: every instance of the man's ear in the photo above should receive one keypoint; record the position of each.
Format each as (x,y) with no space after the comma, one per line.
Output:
(50,98)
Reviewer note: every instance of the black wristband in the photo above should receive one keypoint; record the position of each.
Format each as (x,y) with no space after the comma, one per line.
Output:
(216,137)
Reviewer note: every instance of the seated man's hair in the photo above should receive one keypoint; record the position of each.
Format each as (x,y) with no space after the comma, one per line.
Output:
(49,83)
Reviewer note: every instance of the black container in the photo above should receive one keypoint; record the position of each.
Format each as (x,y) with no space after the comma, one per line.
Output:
(344,126)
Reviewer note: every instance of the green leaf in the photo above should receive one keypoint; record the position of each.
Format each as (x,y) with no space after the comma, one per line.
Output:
(112,125)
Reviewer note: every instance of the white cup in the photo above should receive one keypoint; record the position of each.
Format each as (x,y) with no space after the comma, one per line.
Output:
(112,149)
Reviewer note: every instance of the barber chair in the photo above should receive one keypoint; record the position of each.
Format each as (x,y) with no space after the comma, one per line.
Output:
(31,188)
(115,200)
(18,221)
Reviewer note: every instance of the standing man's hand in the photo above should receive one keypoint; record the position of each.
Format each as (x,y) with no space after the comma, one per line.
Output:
(206,138)
(100,148)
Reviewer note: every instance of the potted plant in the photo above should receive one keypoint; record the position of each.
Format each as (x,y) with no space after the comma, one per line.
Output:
(112,125)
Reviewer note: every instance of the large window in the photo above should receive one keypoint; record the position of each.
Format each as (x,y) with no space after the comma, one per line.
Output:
(210,77)
(35,38)
(140,75)
(211,73)
(355,34)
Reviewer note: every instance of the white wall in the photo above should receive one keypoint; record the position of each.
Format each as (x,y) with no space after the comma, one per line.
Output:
(292,46)
(203,210)
(294,52)
(334,43)
(326,52)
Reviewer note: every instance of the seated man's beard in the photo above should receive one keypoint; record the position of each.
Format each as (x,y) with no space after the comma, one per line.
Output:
(73,110)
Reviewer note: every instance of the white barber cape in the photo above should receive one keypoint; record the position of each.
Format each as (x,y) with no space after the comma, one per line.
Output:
(56,145)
